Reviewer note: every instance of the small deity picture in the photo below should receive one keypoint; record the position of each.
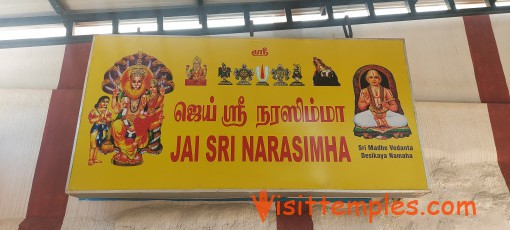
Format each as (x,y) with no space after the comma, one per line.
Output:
(243,74)
(296,75)
(262,72)
(378,113)
(281,75)
(324,75)
(196,75)
(224,73)
(138,84)
(100,118)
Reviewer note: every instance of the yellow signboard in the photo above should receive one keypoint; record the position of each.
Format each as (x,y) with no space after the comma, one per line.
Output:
(222,117)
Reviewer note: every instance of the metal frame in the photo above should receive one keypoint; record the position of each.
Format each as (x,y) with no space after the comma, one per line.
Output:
(68,18)
(57,7)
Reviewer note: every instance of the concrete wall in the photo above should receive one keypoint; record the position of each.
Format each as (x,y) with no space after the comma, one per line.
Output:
(21,131)
(26,83)
(456,133)
(500,27)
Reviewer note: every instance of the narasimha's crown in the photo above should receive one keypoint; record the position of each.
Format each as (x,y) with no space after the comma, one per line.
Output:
(138,70)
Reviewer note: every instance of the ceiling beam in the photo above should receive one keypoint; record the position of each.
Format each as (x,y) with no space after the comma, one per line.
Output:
(370,6)
(288,14)
(450,4)
(159,21)
(336,22)
(329,10)
(241,29)
(57,7)
(115,25)
(247,18)
(29,21)
(411,6)
(490,3)
(207,9)
(202,16)
(44,41)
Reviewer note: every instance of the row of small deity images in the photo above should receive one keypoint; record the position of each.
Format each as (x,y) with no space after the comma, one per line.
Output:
(323,75)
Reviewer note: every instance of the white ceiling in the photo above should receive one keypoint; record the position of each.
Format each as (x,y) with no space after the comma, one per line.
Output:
(25,8)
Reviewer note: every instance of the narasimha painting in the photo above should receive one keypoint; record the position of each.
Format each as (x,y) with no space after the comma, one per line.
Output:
(137,84)
(378,113)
